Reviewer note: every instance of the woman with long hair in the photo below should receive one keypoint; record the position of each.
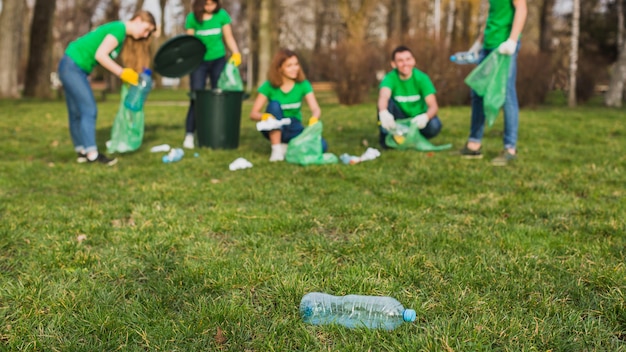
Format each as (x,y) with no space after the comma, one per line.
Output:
(210,23)
(100,46)
(283,92)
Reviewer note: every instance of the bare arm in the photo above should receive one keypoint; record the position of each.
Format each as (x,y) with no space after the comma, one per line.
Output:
(433,107)
(313,105)
(190,31)
(227,30)
(384,94)
(255,113)
(102,55)
(521,12)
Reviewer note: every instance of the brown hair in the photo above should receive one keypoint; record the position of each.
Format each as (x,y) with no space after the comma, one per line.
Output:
(274,75)
(136,52)
(198,8)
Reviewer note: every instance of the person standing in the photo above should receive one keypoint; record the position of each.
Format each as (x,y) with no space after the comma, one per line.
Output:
(283,93)
(210,23)
(505,23)
(406,92)
(100,46)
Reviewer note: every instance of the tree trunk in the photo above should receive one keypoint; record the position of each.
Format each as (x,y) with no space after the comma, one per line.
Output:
(265,39)
(397,20)
(620,23)
(450,24)
(139,6)
(573,68)
(614,95)
(356,21)
(37,82)
(546,26)
(112,14)
(11,29)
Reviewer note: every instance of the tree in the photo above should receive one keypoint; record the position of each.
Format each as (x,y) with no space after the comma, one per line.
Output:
(615,93)
(37,82)
(11,29)
(574,53)
(546,26)
(265,39)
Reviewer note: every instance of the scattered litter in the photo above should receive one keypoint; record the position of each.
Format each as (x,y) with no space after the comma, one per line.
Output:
(239,164)
(195,155)
(272,124)
(160,148)
(370,154)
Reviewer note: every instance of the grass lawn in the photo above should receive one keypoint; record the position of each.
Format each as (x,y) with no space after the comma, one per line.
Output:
(190,256)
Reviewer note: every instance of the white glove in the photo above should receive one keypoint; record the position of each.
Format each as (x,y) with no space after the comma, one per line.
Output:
(508,47)
(386,120)
(420,120)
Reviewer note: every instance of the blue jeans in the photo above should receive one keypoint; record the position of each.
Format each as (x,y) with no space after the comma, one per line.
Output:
(287,132)
(81,105)
(511,108)
(431,130)
(197,80)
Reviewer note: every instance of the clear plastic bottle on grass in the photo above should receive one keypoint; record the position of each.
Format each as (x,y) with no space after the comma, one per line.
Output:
(173,156)
(137,95)
(354,311)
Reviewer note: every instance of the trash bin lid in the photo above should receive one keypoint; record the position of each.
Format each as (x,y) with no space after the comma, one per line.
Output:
(179,56)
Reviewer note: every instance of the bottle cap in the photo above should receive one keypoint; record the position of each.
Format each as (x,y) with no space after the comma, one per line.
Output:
(409,315)
(147,71)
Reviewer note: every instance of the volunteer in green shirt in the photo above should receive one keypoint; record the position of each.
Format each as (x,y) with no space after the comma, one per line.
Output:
(504,26)
(100,46)
(210,23)
(283,93)
(406,92)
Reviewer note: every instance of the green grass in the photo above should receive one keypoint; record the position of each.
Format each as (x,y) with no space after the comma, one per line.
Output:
(191,256)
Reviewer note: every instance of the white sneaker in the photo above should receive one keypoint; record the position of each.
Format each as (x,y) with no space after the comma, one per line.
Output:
(188,142)
(278,153)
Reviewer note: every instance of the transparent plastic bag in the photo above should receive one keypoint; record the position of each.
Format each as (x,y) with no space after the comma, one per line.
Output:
(128,128)
(230,79)
(306,148)
(489,80)
(413,139)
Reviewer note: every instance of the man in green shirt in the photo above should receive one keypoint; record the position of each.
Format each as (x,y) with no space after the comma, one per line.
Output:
(502,32)
(406,92)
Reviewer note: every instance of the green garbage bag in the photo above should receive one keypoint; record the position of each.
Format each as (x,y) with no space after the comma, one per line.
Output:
(306,148)
(127,131)
(230,79)
(489,80)
(413,139)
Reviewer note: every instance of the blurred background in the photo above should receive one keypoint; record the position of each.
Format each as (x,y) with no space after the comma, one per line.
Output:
(570,46)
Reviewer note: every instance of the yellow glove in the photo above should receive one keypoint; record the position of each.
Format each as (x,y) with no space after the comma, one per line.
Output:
(313,120)
(129,75)
(235,59)
(267,116)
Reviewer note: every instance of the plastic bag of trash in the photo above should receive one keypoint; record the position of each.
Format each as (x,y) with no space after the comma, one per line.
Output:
(306,148)
(128,127)
(413,139)
(230,79)
(489,80)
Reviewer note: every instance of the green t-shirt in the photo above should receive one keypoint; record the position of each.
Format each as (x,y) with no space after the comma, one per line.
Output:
(409,94)
(499,23)
(83,50)
(210,33)
(290,102)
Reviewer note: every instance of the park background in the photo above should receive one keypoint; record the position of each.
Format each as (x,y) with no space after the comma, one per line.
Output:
(191,256)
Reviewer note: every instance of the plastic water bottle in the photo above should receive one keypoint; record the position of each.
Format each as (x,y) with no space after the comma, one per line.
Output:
(354,311)
(349,159)
(137,94)
(465,58)
(173,156)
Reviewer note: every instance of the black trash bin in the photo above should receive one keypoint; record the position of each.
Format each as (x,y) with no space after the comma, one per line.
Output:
(218,118)
(217,113)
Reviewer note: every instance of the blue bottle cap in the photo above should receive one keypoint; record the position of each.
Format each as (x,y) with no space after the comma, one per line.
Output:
(409,315)
(147,71)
